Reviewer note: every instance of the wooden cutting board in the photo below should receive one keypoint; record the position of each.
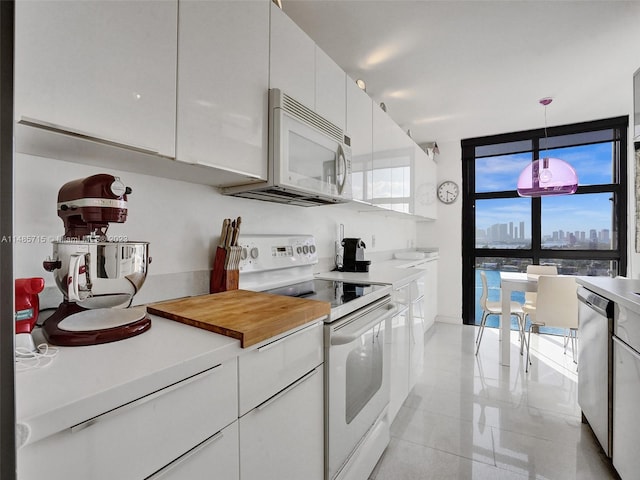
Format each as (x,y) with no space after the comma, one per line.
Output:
(248,316)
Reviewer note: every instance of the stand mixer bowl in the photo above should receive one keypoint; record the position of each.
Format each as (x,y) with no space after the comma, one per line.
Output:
(99,274)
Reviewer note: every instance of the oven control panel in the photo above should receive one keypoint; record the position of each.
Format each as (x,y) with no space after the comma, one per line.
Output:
(271,252)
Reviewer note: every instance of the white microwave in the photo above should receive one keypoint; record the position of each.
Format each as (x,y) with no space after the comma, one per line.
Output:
(309,158)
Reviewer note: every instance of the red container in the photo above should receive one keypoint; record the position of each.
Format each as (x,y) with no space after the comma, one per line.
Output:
(27,304)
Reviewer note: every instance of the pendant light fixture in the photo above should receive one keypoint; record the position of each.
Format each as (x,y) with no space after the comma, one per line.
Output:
(547,176)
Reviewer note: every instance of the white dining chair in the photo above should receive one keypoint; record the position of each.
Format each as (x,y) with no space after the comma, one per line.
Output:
(530,297)
(494,308)
(556,306)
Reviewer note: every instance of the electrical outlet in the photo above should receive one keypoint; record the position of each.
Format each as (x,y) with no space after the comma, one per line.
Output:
(373,241)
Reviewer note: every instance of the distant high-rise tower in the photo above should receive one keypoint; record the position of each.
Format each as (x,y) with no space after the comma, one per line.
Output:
(521,230)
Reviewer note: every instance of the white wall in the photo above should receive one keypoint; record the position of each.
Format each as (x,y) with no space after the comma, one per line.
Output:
(446,235)
(181,220)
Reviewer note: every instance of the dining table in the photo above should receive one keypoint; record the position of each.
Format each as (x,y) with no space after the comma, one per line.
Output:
(511,282)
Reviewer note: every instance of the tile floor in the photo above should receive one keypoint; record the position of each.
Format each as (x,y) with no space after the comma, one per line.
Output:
(469,418)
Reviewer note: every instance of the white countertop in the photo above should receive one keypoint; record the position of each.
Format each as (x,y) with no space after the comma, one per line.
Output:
(396,273)
(619,289)
(83,382)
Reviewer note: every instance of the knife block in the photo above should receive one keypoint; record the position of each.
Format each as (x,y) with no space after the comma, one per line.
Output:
(225,274)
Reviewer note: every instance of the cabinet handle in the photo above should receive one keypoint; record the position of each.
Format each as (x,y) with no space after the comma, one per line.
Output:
(183,458)
(142,400)
(286,390)
(278,341)
(52,127)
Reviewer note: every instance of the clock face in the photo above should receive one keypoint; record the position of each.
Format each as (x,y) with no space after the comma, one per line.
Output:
(448,192)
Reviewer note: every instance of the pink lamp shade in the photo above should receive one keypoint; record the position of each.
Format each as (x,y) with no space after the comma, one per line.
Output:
(546,177)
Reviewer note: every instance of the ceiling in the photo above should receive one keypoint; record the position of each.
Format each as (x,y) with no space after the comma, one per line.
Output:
(448,70)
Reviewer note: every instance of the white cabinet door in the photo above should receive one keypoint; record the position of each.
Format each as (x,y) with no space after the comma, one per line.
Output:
(223,80)
(424,185)
(416,341)
(283,438)
(330,100)
(216,457)
(430,298)
(393,153)
(292,65)
(359,129)
(399,363)
(101,68)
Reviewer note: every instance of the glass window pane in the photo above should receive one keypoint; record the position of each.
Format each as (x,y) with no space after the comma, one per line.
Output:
(593,163)
(579,138)
(499,174)
(578,222)
(503,148)
(503,223)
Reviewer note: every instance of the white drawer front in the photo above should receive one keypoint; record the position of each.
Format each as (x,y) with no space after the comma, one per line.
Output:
(139,438)
(216,457)
(283,439)
(268,369)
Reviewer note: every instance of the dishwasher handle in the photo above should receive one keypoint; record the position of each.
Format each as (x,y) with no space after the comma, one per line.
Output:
(600,304)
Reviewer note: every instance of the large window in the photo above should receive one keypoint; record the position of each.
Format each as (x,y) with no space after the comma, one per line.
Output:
(582,234)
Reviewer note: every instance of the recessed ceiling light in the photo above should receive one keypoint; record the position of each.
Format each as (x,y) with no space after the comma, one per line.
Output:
(362,84)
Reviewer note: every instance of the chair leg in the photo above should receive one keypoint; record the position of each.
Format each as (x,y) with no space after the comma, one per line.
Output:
(522,323)
(528,346)
(574,344)
(481,331)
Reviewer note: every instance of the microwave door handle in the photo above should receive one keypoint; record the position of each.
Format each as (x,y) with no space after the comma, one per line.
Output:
(340,157)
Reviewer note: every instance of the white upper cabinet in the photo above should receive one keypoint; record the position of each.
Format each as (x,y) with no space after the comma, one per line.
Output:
(330,89)
(303,71)
(292,67)
(359,124)
(424,185)
(102,68)
(393,153)
(223,81)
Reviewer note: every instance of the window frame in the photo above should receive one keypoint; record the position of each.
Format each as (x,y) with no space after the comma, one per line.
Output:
(618,189)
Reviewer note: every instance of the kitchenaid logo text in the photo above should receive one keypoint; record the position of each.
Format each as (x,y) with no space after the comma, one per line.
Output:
(52,238)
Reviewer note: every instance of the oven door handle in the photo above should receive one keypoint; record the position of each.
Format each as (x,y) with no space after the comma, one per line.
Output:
(362,325)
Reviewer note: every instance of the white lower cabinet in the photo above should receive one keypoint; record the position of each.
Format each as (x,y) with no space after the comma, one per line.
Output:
(282,408)
(215,458)
(283,437)
(407,342)
(399,364)
(141,437)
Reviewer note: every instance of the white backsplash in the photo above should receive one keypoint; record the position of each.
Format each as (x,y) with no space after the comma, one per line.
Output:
(182,222)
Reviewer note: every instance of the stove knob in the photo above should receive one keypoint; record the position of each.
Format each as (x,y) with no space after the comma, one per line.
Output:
(305,249)
(312,248)
(243,254)
(254,252)
(299,250)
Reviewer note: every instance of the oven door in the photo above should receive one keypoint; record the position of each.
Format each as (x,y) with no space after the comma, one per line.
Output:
(357,378)
(306,158)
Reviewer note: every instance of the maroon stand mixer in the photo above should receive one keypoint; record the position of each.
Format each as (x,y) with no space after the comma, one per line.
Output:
(97,277)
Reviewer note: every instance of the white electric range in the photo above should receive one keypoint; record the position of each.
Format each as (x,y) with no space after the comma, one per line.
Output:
(356,356)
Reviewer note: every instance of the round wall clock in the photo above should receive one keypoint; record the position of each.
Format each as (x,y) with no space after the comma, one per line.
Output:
(448,191)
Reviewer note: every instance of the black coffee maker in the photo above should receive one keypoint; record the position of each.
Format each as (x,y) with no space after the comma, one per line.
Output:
(353,258)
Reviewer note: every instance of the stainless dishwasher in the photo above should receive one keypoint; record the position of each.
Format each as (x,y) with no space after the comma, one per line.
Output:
(595,364)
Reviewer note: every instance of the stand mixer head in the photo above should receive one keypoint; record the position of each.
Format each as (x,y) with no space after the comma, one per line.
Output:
(88,205)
